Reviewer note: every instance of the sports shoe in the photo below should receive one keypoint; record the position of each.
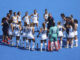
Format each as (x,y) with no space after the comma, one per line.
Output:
(3,41)
(75,45)
(33,49)
(9,39)
(8,43)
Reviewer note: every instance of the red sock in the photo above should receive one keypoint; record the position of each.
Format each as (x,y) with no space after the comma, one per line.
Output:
(49,44)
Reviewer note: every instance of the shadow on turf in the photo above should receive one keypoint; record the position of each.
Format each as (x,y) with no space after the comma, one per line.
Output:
(22,48)
(64,44)
(0,37)
(1,43)
(6,44)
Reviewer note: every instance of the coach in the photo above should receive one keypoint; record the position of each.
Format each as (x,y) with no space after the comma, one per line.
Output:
(50,21)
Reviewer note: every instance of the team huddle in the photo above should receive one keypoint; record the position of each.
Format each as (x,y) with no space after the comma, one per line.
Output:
(51,34)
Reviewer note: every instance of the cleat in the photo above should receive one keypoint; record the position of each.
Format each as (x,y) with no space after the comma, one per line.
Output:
(8,43)
(75,45)
(12,44)
(71,46)
(17,46)
(57,49)
(23,46)
(33,49)
(41,50)
(9,39)
(67,47)
(29,48)
(3,41)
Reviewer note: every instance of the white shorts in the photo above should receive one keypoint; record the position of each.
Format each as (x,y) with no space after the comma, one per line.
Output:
(60,34)
(10,32)
(17,33)
(65,34)
(24,35)
(35,21)
(30,36)
(15,21)
(75,33)
(27,22)
(19,20)
(71,35)
(43,37)
(14,24)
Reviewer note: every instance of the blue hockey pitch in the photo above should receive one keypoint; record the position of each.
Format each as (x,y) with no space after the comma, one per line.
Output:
(56,7)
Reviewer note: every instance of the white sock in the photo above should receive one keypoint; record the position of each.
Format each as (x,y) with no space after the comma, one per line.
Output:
(17,42)
(51,46)
(61,44)
(45,46)
(20,42)
(76,42)
(26,43)
(33,45)
(56,43)
(41,46)
(29,46)
(72,44)
(67,45)
(23,43)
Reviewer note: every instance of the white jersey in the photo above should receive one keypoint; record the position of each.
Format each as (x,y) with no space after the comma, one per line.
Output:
(71,33)
(10,30)
(17,30)
(63,22)
(15,19)
(35,18)
(75,30)
(46,16)
(11,16)
(44,34)
(24,31)
(26,19)
(30,33)
(60,33)
(76,26)
(19,18)
(29,30)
